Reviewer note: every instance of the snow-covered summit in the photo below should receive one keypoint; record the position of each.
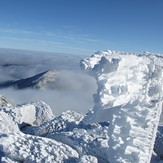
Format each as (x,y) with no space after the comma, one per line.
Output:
(129,96)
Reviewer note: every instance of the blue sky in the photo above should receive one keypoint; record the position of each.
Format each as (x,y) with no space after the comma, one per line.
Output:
(82,26)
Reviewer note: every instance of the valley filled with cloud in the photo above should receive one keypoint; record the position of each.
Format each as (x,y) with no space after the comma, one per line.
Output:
(73,90)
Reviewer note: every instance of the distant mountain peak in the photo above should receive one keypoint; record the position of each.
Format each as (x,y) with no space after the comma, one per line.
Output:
(39,81)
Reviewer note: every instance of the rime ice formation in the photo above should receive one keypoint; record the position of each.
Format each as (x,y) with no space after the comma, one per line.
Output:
(129,96)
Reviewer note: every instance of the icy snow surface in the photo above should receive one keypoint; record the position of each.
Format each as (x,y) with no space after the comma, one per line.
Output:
(121,128)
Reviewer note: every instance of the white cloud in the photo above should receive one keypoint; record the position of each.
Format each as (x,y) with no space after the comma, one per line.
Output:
(64,35)
(75,88)
(18,31)
(32,40)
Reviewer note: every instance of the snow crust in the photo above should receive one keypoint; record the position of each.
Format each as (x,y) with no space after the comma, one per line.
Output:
(129,96)
(27,148)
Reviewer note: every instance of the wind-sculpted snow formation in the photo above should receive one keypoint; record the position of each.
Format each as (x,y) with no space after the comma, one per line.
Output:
(129,96)
(121,128)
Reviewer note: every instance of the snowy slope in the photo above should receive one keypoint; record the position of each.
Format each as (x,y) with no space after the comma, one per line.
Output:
(39,81)
(129,96)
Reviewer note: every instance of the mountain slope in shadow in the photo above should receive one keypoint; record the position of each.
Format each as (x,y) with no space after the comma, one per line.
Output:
(39,81)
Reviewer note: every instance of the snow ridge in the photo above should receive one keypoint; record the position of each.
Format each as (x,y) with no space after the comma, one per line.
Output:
(129,96)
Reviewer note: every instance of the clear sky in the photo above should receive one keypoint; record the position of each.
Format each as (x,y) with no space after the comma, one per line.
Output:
(82,26)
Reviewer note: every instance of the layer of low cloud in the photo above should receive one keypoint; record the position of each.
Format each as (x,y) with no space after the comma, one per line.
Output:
(75,87)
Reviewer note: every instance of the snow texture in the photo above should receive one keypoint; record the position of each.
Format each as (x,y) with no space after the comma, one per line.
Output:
(7,125)
(28,149)
(129,96)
